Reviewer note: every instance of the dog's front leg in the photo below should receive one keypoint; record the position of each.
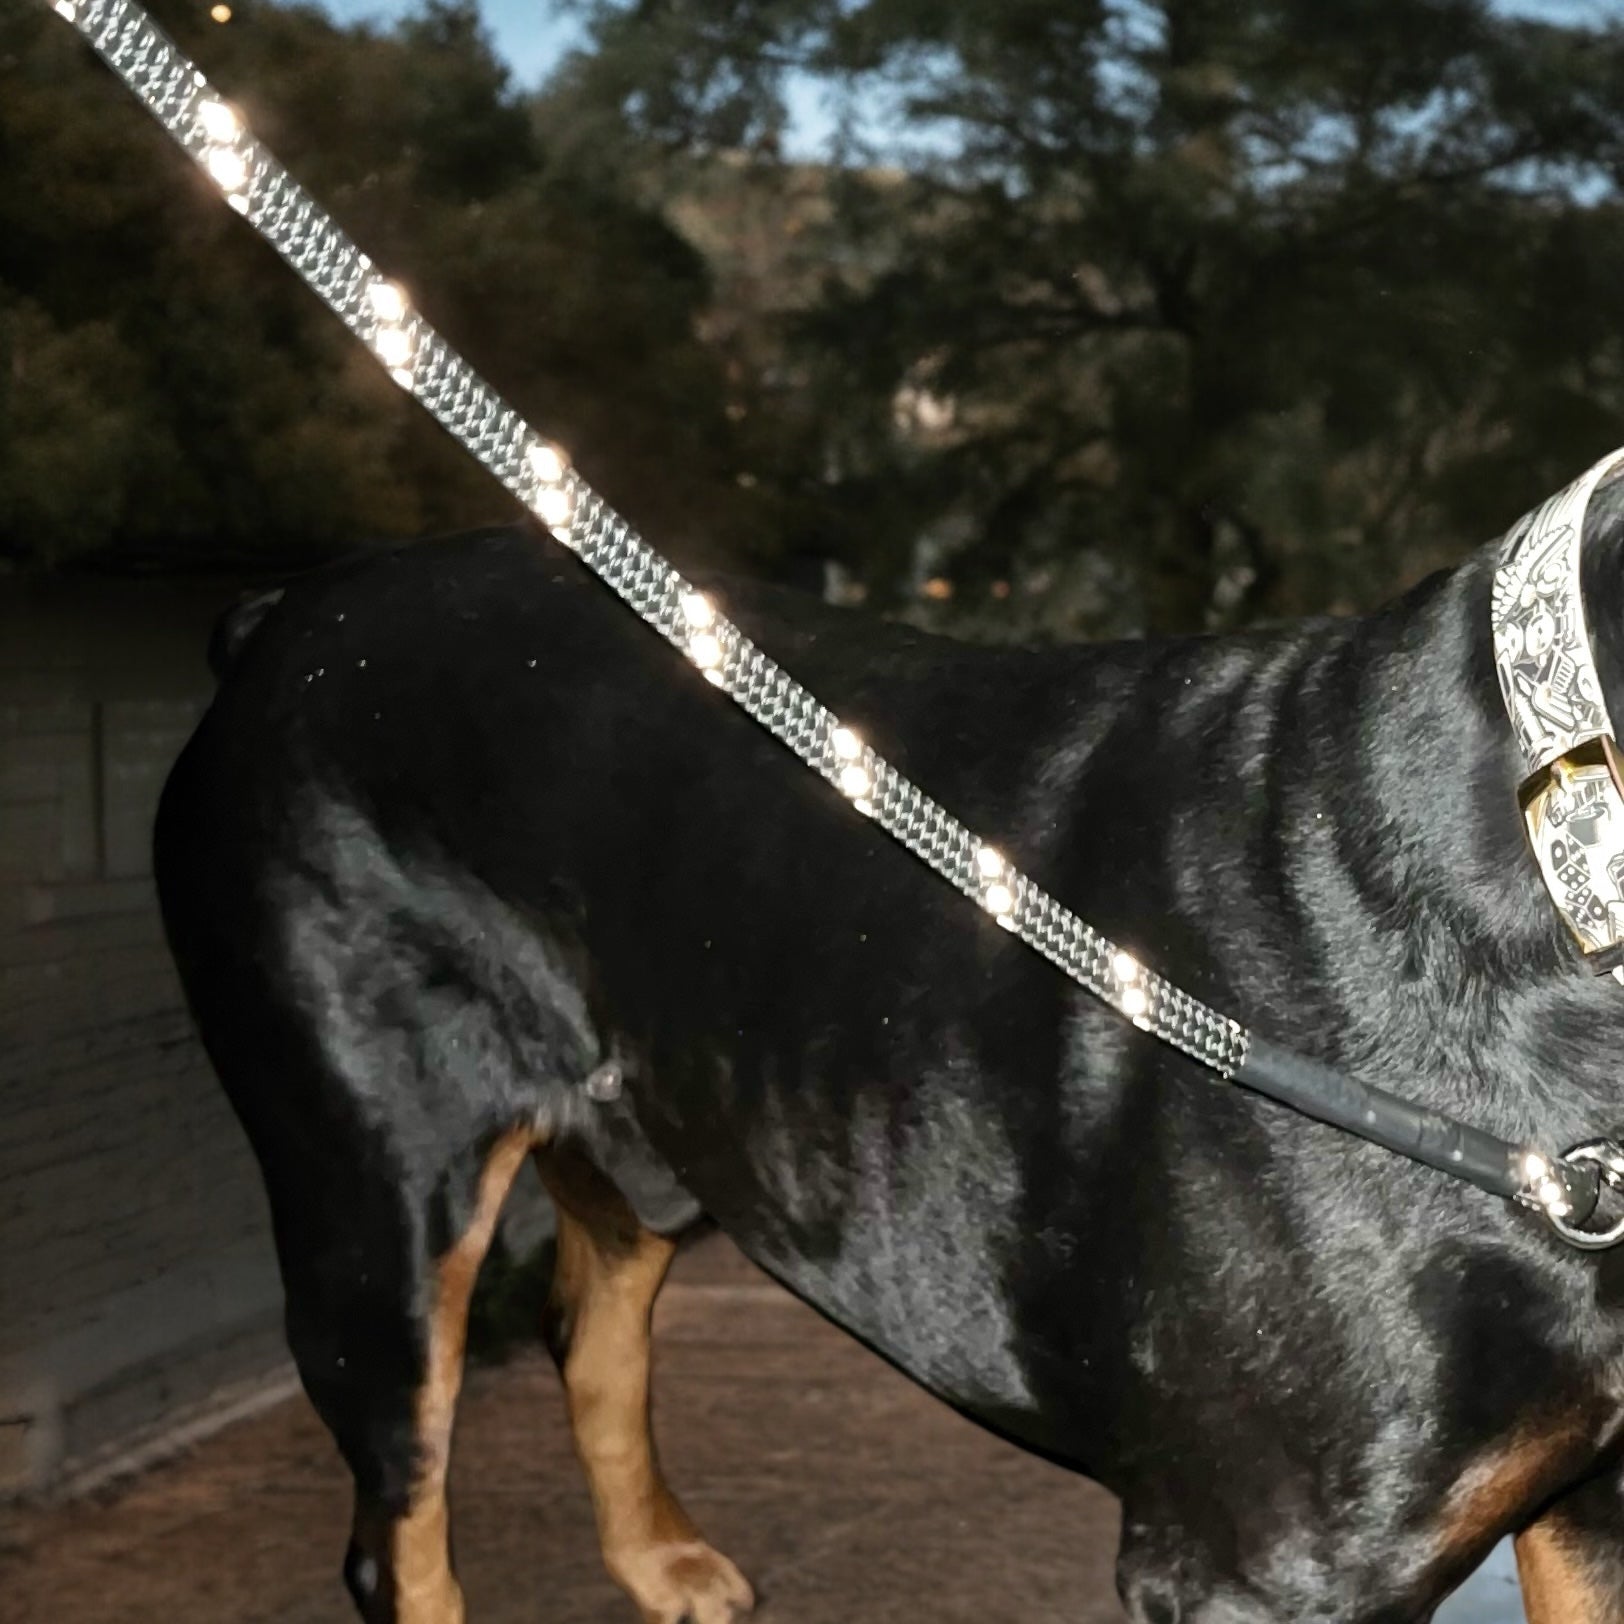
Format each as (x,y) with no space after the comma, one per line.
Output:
(1571,1561)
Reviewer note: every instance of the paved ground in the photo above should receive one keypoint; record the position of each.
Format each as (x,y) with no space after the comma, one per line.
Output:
(848,1496)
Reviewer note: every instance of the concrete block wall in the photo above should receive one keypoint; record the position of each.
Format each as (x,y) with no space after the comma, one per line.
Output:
(139,1300)
(138,1292)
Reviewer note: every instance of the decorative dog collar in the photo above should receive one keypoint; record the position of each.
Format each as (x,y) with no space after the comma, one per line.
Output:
(1573,799)
(1565,1189)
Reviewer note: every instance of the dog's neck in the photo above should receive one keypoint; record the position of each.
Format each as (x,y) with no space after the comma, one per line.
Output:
(1440,737)
(1432,778)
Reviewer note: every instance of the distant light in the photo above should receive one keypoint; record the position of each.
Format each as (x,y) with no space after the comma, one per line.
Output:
(937,587)
(220,13)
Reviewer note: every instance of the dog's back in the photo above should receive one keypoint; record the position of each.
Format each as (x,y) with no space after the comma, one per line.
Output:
(466,834)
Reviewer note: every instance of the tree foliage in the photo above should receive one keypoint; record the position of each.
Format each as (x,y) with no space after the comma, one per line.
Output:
(1181,311)
(1099,314)
(170,395)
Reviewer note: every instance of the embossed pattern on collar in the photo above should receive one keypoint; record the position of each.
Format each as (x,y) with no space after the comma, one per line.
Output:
(1573,804)
(1541,639)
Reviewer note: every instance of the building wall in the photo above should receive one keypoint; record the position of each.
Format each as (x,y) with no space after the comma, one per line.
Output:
(138,1292)
(139,1300)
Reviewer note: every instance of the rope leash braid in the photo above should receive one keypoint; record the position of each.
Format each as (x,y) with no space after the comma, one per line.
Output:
(377,312)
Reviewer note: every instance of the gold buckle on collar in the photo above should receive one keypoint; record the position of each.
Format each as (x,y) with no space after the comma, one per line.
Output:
(1573,811)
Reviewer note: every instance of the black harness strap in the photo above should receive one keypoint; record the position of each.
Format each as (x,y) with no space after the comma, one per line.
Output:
(1411,1130)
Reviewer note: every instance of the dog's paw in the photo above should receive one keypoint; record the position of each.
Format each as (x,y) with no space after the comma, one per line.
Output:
(687,1583)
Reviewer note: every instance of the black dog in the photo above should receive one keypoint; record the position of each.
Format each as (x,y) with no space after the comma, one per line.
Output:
(465,865)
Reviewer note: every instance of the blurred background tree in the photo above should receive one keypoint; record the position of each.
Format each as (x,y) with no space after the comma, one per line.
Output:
(1097,316)
(1166,314)
(170,396)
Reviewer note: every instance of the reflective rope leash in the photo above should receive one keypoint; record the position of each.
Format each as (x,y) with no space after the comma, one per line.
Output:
(376,310)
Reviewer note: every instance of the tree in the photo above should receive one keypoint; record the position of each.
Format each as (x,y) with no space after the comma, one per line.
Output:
(170,396)
(1189,310)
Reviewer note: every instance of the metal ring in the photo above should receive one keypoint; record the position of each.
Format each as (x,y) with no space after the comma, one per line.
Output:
(1608,1160)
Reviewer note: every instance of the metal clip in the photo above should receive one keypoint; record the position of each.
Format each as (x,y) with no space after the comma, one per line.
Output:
(603,1085)
(1601,1160)
(1573,811)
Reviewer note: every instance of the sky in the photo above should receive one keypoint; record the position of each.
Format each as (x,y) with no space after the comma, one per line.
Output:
(533,37)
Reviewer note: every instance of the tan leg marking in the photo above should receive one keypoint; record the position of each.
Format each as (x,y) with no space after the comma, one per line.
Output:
(1556,1586)
(418,1545)
(1503,1486)
(609,1271)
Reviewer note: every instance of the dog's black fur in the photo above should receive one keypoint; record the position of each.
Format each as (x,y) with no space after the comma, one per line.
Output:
(457,828)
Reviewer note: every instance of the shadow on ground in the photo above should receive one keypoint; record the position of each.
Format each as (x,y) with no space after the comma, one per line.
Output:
(846,1494)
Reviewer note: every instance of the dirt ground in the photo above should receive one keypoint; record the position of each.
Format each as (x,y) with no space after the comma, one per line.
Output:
(846,1495)
(843,1492)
